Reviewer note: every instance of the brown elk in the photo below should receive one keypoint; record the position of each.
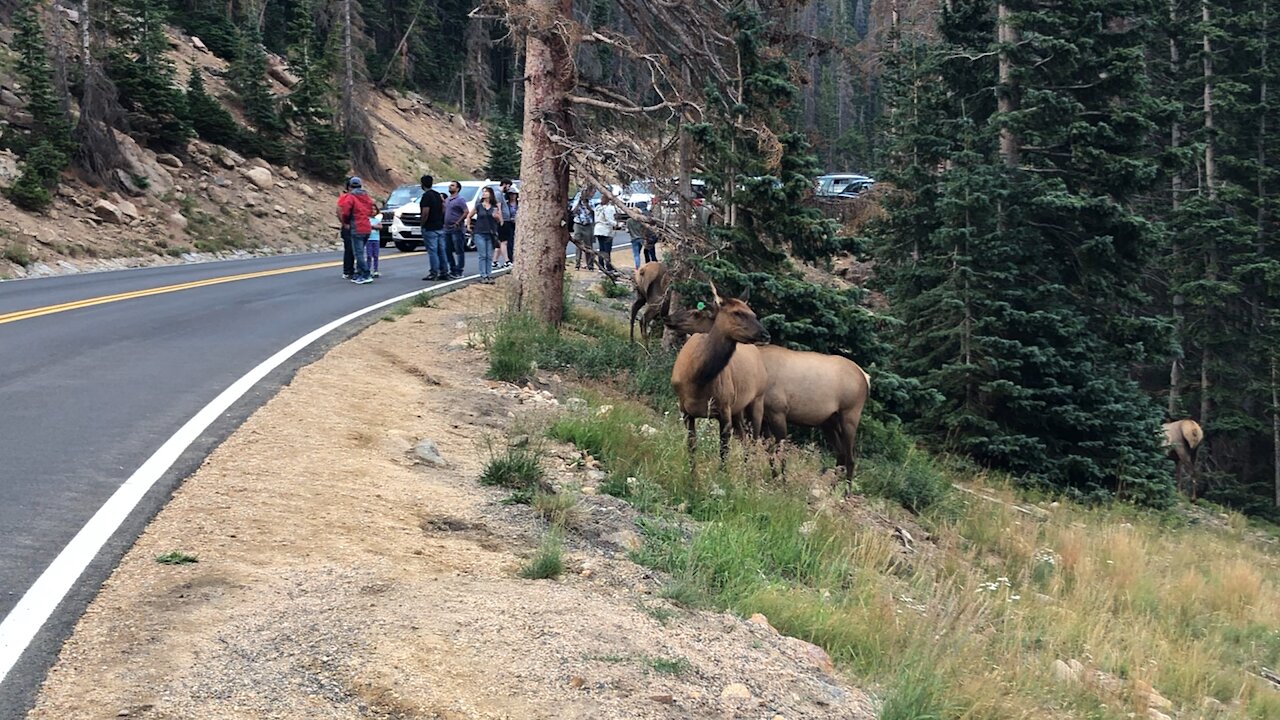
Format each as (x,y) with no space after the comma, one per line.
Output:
(651,288)
(718,373)
(815,390)
(1181,438)
(803,388)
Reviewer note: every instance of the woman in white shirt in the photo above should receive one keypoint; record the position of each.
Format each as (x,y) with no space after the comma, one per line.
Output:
(606,225)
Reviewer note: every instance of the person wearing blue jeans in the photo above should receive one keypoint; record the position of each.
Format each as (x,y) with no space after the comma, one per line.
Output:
(455,244)
(431,214)
(485,223)
(437,261)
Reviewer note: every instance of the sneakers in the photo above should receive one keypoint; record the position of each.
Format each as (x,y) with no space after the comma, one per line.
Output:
(495,265)
(377,274)
(346,276)
(363,281)
(506,264)
(431,277)
(455,276)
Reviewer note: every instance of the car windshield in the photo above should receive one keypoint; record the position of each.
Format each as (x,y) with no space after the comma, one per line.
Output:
(466,193)
(639,187)
(405,194)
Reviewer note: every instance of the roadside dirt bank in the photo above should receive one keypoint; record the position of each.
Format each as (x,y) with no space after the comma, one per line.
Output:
(337,577)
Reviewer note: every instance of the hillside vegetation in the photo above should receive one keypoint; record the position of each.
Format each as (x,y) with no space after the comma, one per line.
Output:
(943,587)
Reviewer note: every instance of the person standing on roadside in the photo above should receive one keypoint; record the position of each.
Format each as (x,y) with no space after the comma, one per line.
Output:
(456,213)
(484,230)
(348,258)
(354,210)
(606,224)
(512,200)
(431,214)
(583,220)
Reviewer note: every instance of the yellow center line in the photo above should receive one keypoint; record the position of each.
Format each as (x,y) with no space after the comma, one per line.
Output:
(104,299)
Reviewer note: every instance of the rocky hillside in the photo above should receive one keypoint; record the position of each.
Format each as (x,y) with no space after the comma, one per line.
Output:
(212,202)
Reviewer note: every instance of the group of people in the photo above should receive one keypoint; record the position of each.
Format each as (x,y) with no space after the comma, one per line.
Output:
(445,221)
(604,224)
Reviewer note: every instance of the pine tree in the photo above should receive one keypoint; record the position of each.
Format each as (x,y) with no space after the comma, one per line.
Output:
(209,118)
(322,151)
(248,77)
(47,150)
(146,78)
(1018,297)
(502,146)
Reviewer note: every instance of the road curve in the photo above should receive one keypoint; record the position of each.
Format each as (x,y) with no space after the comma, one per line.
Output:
(98,370)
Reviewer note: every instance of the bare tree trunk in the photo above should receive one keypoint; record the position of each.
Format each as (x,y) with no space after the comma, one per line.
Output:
(1211,266)
(355,123)
(400,46)
(539,267)
(98,152)
(1175,191)
(477,69)
(1007,94)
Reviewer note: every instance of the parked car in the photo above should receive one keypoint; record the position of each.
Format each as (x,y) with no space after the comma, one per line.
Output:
(842,185)
(399,198)
(406,223)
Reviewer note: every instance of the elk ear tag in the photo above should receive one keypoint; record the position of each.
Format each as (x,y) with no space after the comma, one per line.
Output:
(702,305)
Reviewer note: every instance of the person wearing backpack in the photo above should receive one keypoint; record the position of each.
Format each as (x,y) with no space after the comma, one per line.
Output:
(348,258)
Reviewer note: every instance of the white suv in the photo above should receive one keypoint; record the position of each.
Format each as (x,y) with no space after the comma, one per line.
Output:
(406,223)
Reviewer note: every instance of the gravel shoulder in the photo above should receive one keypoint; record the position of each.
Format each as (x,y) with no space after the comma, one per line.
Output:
(337,577)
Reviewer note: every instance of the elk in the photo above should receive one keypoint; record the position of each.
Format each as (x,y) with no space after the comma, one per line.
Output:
(1181,438)
(718,373)
(651,288)
(815,390)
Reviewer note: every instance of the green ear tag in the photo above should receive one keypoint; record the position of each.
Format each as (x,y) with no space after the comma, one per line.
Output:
(702,306)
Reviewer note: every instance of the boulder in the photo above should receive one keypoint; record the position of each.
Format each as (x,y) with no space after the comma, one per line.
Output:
(22,119)
(459,122)
(735,691)
(169,161)
(287,173)
(9,168)
(280,209)
(198,44)
(128,209)
(307,190)
(72,15)
(6,36)
(126,182)
(141,163)
(260,177)
(1063,672)
(259,162)
(230,159)
(428,454)
(278,69)
(404,104)
(8,99)
(108,212)
(178,222)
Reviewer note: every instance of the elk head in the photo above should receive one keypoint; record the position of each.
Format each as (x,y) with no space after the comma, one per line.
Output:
(732,316)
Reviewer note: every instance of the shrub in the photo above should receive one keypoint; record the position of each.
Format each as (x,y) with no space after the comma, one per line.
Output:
(914,482)
(549,560)
(17,254)
(517,470)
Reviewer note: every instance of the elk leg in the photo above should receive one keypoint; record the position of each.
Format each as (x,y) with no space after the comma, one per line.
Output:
(726,428)
(691,430)
(635,308)
(1181,463)
(849,434)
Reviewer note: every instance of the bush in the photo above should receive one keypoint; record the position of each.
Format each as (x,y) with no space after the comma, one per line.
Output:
(18,255)
(915,482)
(28,195)
(548,562)
(517,470)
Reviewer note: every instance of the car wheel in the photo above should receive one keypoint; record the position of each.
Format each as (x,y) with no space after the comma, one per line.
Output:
(406,245)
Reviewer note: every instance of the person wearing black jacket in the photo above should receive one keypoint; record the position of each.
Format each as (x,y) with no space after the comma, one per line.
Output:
(432,219)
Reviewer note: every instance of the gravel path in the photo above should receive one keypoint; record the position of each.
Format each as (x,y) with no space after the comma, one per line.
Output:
(338,578)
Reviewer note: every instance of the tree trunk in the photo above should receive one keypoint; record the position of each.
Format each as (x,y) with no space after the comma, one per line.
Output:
(1210,179)
(1175,192)
(1275,428)
(1007,93)
(355,124)
(544,196)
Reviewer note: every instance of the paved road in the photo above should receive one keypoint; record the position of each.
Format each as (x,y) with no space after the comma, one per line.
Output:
(87,394)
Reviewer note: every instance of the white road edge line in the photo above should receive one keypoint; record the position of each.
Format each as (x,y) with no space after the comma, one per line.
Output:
(26,618)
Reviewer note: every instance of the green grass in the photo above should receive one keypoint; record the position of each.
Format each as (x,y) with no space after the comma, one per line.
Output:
(517,469)
(400,309)
(548,562)
(176,557)
(17,254)
(612,289)
(669,666)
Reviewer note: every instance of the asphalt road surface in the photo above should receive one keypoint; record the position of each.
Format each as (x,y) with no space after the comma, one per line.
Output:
(98,371)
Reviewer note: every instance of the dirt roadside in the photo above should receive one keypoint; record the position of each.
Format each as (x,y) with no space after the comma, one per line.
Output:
(339,578)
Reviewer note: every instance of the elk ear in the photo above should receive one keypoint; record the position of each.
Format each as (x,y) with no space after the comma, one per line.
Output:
(715,293)
(746,294)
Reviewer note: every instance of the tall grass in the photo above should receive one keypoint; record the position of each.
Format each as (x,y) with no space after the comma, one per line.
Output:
(969,626)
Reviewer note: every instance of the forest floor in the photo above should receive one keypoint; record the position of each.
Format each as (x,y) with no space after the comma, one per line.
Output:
(337,576)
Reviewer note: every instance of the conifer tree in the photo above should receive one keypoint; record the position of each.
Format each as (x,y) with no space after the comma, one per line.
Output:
(1020,305)
(322,151)
(47,150)
(502,147)
(248,76)
(145,78)
(209,118)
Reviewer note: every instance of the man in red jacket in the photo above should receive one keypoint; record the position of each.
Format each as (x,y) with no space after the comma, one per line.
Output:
(354,210)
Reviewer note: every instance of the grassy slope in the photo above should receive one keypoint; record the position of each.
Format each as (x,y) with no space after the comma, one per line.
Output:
(971,624)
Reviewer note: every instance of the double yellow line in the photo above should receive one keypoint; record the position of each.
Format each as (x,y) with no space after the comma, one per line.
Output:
(104,299)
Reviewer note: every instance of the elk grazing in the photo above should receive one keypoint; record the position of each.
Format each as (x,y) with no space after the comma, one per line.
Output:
(815,390)
(651,287)
(718,373)
(1181,438)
